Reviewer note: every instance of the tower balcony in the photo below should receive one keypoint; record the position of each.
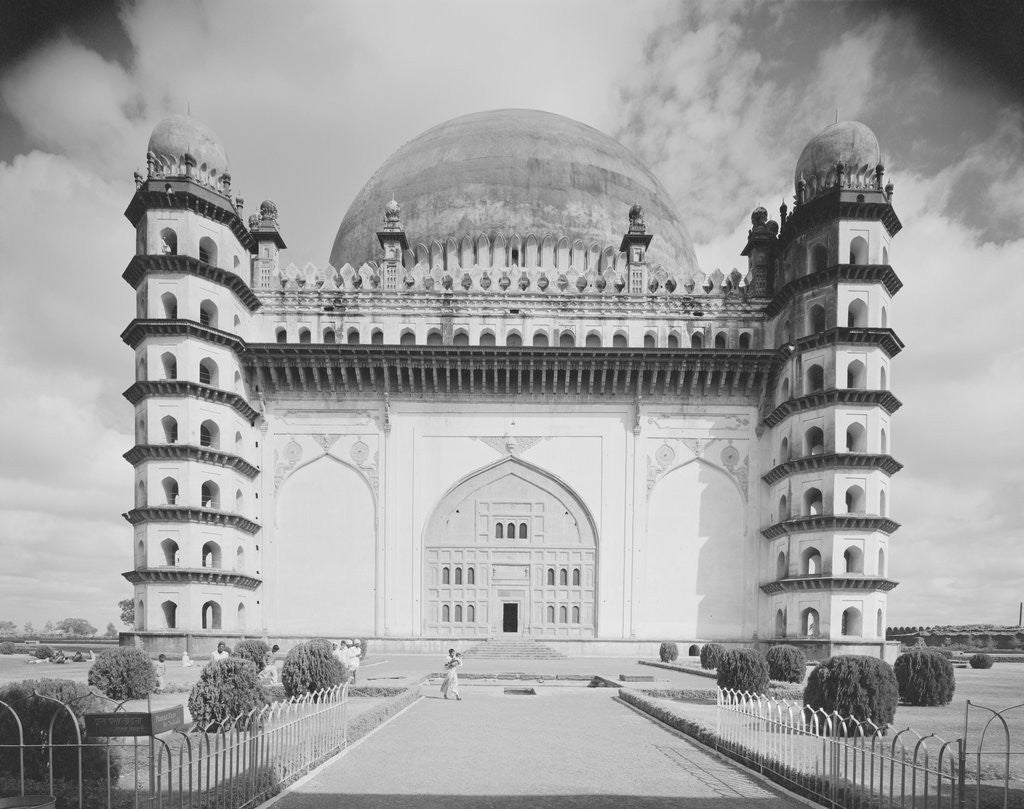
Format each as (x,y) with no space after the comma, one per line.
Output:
(831,522)
(192,575)
(833,397)
(833,461)
(885,339)
(142,266)
(176,513)
(141,328)
(854,273)
(189,452)
(180,388)
(828,581)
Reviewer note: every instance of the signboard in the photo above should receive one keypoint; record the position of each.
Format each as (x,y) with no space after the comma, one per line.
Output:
(134,724)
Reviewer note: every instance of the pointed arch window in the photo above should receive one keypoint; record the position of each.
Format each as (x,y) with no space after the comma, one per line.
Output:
(551,575)
(446,575)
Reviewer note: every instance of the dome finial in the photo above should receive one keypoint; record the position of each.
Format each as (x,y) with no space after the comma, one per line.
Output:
(393,215)
(636,219)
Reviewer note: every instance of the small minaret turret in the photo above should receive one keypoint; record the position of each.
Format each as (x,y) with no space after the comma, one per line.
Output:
(634,244)
(393,243)
(762,241)
(269,244)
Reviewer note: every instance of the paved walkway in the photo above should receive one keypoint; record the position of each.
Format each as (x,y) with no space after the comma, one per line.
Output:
(557,749)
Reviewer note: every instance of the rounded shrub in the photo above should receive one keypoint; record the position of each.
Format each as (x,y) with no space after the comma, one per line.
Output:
(863,688)
(227,692)
(35,714)
(42,652)
(925,678)
(123,673)
(981,661)
(310,667)
(255,650)
(6,648)
(668,652)
(743,670)
(710,655)
(786,663)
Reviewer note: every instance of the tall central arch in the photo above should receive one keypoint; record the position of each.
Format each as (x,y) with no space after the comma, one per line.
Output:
(510,550)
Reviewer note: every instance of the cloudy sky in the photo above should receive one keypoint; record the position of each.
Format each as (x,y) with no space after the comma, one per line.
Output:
(310,97)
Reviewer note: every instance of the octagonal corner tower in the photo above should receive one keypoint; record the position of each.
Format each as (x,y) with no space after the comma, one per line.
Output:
(514,172)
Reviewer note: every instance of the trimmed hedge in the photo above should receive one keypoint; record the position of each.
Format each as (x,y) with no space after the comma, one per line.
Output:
(367,721)
(42,652)
(35,715)
(925,678)
(255,650)
(710,655)
(743,670)
(981,661)
(668,652)
(227,691)
(123,673)
(6,648)
(311,666)
(786,664)
(864,688)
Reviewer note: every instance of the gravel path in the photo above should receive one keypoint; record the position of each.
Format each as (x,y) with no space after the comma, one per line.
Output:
(557,749)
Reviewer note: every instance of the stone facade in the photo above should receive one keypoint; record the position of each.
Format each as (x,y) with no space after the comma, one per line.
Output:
(532,429)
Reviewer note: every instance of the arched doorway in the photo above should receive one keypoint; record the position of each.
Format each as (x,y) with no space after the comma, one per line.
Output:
(489,547)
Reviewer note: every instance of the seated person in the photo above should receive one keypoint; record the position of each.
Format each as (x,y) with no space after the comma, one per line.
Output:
(78,658)
(186,661)
(58,657)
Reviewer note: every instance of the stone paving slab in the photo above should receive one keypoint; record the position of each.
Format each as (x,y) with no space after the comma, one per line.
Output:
(556,749)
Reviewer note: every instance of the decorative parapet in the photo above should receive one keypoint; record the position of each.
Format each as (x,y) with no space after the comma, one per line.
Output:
(192,575)
(141,266)
(830,522)
(833,460)
(795,584)
(837,202)
(834,396)
(206,516)
(140,328)
(451,278)
(188,452)
(178,387)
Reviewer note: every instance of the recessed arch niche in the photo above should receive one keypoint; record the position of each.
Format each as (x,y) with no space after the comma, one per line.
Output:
(692,581)
(326,538)
(510,571)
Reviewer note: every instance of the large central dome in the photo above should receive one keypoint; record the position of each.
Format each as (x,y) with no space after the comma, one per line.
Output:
(514,172)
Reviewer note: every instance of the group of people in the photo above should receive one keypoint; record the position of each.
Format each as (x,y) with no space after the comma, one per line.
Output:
(450,686)
(349,653)
(58,656)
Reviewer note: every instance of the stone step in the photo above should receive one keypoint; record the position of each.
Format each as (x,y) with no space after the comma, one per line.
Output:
(520,649)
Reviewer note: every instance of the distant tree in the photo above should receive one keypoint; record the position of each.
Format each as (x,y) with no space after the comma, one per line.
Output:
(78,627)
(29,629)
(127,606)
(48,629)
(111,631)
(8,628)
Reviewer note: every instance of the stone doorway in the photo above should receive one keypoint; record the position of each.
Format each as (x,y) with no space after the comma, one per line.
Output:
(509,617)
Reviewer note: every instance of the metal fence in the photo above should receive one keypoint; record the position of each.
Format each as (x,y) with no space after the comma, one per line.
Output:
(839,761)
(994,756)
(234,764)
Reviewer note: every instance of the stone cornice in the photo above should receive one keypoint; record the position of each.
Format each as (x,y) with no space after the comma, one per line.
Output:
(207,516)
(884,339)
(831,522)
(841,460)
(186,195)
(189,452)
(446,371)
(831,397)
(828,582)
(192,575)
(876,273)
(840,203)
(141,266)
(139,329)
(179,387)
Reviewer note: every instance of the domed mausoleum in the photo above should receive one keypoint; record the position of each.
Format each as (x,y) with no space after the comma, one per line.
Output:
(512,404)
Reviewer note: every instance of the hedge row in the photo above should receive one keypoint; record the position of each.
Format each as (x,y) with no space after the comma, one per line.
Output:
(379,714)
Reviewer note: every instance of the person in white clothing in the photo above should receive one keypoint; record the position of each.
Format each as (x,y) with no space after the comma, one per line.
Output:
(355,654)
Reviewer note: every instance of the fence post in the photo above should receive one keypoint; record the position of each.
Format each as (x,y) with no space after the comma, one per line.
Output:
(21,742)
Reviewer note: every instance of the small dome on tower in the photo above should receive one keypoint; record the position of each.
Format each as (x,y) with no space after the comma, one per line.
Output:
(179,135)
(847,142)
